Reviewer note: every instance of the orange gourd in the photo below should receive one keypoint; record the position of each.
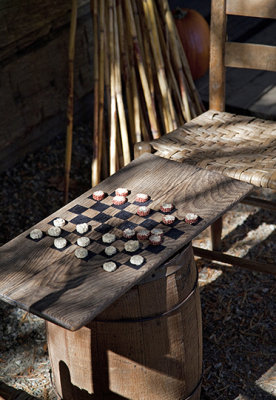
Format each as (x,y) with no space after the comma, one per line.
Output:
(194,34)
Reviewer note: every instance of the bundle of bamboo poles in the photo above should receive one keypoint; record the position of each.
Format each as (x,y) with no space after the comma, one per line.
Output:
(143,86)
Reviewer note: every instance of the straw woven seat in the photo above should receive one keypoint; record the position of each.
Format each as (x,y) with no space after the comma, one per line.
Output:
(240,147)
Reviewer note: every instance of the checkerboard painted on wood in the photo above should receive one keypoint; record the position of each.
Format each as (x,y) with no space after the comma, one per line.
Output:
(71,292)
(105,217)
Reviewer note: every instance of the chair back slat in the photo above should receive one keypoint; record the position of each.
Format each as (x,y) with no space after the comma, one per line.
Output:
(238,55)
(217,44)
(243,55)
(252,8)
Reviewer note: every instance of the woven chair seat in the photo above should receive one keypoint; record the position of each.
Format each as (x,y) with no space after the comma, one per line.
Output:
(240,147)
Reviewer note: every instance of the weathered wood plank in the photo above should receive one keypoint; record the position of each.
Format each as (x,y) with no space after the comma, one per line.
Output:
(25,23)
(34,87)
(254,8)
(243,55)
(62,289)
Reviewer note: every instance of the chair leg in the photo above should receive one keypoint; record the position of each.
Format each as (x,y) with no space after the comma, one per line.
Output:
(216,229)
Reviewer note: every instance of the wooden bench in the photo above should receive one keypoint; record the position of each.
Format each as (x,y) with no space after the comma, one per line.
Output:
(70,293)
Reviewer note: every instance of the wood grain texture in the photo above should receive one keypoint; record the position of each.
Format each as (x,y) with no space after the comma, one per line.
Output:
(62,289)
(243,55)
(253,8)
(34,76)
(114,357)
(217,46)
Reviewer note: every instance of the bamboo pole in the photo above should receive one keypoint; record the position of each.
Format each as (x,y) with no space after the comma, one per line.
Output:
(70,103)
(173,45)
(119,97)
(106,132)
(168,109)
(102,62)
(126,70)
(95,167)
(172,81)
(180,50)
(142,73)
(136,106)
(113,116)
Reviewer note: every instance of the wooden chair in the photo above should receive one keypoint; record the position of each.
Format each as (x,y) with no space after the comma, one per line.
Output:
(238,146)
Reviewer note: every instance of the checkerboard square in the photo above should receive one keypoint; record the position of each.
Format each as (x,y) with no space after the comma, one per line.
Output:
(77,209)
(133,253)
(68,244)
(174,233)
(175,222)
(123,215)
(89,256)
(52,222)
(83,234)
(121,206)
(104,228)
(155,249)
(80,219)
(36,240)
(149,224)
(99,207)
(102,217)
(135,266)
(145,203)
(127,225)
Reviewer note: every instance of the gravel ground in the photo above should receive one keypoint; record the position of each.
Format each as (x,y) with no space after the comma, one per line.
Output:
(238,307)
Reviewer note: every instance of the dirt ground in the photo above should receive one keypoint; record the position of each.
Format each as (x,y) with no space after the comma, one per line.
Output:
(238,306)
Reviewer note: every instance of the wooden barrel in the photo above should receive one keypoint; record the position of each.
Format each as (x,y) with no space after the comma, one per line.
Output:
(146,346)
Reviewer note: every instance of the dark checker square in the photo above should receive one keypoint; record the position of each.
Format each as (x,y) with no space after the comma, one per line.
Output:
(102,217)
(174,233)
(121,206)
(114,193)
(99,207)
(135,266)
(52,223)
(91,197)
(81,234)
(118,264)
(36,240)
(145,203)
(133,253)
(80,219)
(104,228)
(155,249)
(123,215)
(127,225)
(78,209)
(149,224)
(175,222)
(68,244)
(89,255)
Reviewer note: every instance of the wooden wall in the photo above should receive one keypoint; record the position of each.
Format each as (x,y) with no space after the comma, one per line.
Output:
(33,81)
